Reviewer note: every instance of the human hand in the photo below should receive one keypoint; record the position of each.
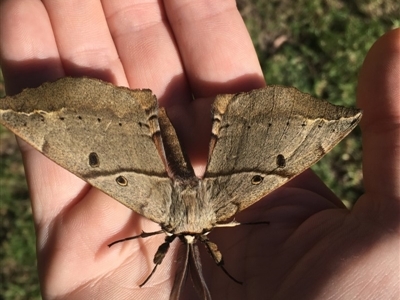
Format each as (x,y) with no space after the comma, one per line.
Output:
(177,51)
(192,50)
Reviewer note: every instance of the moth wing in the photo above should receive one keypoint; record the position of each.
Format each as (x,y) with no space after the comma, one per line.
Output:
(108,136)
(263,138)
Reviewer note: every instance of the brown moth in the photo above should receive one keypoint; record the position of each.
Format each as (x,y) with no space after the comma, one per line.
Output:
(259,141)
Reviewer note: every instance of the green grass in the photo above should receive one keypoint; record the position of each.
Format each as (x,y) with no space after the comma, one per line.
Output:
(317,46)
(19,279)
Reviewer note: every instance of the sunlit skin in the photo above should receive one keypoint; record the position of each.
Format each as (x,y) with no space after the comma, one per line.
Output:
(313,248)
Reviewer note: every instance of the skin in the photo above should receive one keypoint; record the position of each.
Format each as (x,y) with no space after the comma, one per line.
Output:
(314,248)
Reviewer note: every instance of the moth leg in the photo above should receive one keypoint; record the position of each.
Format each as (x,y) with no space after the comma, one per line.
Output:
(159,256)
(217,256)
(142,235)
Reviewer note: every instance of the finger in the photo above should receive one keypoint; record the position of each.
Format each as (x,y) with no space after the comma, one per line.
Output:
(28,50)
(31,53)
(216,49)
(147,48)
(29,56)
(218,57)
(379,97)
(84,41)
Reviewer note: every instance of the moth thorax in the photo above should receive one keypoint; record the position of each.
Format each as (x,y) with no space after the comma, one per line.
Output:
(191,211)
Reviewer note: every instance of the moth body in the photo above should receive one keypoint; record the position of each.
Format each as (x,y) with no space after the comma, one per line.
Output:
(191,211)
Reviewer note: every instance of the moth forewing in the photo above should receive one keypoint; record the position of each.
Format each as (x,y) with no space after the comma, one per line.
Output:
(263,138)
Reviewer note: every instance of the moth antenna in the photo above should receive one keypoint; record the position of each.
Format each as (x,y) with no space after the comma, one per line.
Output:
(142,235)
(234,223)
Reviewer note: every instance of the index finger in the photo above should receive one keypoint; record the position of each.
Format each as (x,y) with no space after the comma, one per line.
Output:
(215,46)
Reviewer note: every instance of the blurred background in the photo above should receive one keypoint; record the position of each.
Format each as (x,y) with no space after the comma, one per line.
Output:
(317,46)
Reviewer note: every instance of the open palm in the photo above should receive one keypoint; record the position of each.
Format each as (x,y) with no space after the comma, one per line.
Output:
(313,247)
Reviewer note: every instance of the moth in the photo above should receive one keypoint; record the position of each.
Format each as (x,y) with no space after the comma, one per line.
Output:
(259,141)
